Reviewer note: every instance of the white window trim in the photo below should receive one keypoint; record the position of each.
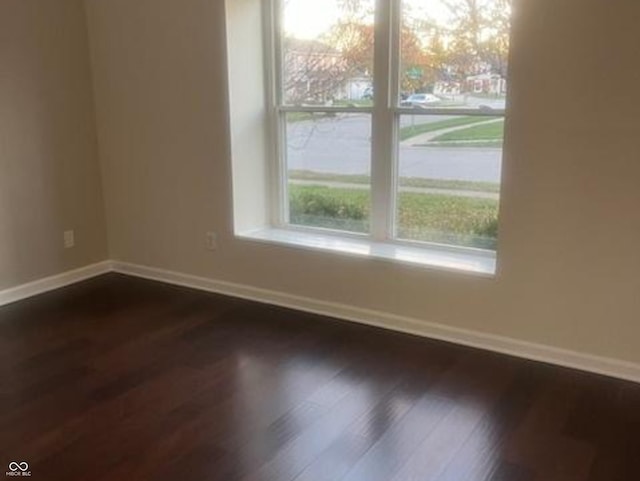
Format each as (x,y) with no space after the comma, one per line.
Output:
(381,242)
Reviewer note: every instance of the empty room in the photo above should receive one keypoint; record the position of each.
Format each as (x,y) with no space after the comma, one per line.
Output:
(320,240)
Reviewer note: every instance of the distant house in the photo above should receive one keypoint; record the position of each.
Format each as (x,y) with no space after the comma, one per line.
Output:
(313,71)
(486,83)
(444,88)
(358,88)
(317,73)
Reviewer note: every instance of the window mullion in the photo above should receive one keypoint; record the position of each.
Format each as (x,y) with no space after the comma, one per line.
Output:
(382,165)
(277,181)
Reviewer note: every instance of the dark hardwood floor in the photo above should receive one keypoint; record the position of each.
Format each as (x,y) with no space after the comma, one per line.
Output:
(119,378)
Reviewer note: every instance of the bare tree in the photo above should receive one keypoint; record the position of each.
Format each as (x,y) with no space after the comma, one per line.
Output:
(319,70)
(475,41)
(313,71)
(480,35)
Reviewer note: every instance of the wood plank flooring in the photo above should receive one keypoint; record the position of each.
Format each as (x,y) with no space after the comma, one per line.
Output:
(121,378)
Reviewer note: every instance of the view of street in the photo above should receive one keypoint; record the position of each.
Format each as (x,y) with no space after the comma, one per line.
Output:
(342,145)
(452,57)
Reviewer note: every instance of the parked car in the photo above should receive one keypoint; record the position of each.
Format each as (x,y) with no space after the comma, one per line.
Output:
(421,100)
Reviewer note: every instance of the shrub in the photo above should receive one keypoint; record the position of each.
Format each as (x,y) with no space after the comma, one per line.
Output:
(429,217)
(328,207)
(488,228)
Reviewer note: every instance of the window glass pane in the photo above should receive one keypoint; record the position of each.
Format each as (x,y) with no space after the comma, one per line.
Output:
(327,56)
(328,168)
(449,179)
(454,53)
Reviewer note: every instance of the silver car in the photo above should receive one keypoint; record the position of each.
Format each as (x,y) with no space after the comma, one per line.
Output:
(421,100)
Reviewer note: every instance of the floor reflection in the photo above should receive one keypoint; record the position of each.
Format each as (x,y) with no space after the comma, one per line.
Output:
(305,419)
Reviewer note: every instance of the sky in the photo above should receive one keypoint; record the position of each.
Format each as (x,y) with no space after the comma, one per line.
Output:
(311,18)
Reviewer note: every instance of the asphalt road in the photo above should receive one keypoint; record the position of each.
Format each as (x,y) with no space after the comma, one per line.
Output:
(342,145)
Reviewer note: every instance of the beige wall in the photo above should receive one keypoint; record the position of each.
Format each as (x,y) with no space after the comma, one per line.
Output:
(49,169)
(570,230)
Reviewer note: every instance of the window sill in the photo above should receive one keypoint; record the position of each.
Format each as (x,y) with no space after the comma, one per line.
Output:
(438,257)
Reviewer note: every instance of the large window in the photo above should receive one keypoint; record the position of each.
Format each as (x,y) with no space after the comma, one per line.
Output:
(389,117)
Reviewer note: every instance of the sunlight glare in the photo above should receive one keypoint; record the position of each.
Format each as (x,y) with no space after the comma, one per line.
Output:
(306,19)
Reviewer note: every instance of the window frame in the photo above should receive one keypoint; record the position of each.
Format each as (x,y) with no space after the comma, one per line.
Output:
(385,115)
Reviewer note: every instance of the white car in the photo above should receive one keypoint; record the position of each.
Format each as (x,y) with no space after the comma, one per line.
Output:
(421,100)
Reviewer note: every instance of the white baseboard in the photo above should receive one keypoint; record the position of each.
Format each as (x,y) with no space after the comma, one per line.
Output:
(40,286)
(527,350)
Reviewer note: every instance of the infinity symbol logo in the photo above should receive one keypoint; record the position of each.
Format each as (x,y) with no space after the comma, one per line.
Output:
(23,466)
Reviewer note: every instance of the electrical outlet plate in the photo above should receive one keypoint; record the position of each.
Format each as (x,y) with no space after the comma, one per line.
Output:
(211,240)
(69,239)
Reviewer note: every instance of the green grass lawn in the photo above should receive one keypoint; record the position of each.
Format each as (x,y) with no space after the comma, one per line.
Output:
(487,132)
(425,217)
(300,116)
(413,130)
(418,182)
